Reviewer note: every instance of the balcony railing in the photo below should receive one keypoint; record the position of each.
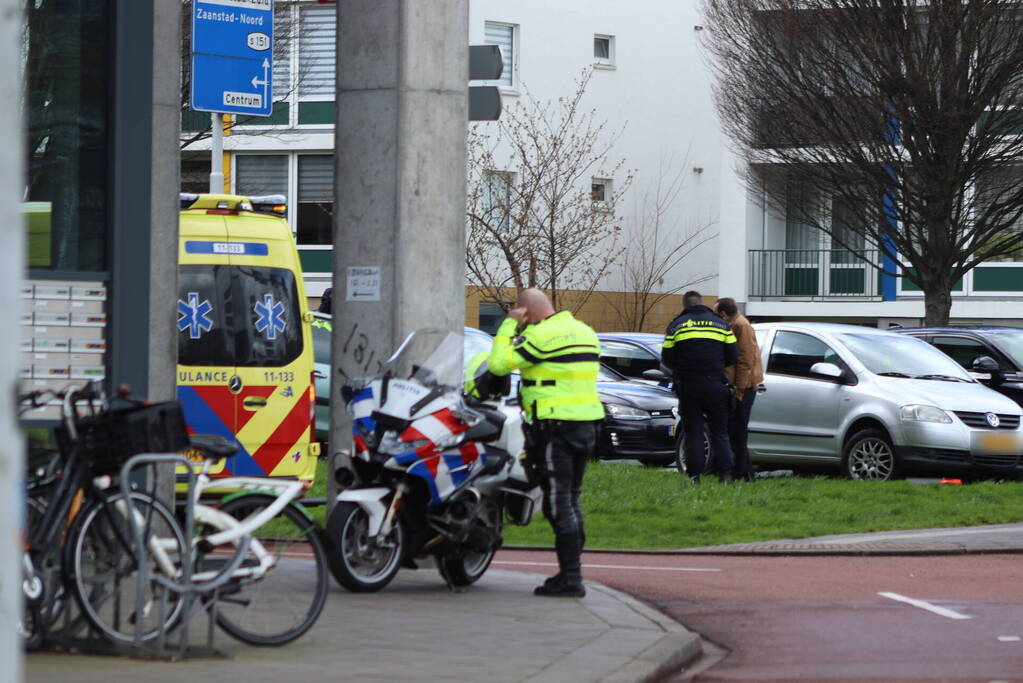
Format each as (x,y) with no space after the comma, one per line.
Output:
(814,274)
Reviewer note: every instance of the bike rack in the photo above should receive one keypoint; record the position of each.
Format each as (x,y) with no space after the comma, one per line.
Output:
(68,635)
(191,593)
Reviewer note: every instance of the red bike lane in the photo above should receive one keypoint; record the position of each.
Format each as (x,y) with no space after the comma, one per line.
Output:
(923,617)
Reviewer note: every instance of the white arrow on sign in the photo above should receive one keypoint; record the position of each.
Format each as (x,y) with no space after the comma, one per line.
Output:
(265,82)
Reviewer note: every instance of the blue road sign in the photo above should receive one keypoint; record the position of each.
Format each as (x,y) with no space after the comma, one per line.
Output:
(232,56)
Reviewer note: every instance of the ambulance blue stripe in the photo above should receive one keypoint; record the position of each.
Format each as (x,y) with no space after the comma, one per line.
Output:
(201,418)
(226,248)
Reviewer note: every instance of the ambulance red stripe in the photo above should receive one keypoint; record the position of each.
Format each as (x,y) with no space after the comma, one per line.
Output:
(290,430)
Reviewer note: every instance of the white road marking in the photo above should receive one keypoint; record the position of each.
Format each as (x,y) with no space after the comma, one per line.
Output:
(887,536)
(925,605)
(1009,639)
(610,566)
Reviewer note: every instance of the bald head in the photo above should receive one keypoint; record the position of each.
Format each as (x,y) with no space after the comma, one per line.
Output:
(536,303)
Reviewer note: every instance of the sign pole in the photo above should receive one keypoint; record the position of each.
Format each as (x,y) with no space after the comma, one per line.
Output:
(217,156)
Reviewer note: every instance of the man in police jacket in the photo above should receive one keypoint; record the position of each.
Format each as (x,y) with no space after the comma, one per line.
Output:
(559,357)
(698,346)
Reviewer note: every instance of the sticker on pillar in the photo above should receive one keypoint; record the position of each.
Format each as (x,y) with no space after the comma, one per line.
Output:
(270,317)
(363,283)
(194,316)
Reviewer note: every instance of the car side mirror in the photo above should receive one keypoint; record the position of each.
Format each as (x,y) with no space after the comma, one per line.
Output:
(655,375)
(984,364)
(989,365)
(828,370)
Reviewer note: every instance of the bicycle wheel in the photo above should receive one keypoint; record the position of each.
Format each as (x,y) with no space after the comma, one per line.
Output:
(284,603)
(103,572)
(42,611)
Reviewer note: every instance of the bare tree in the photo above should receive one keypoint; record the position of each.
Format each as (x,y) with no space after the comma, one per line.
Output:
(888,124)
(657,248)
(284,31)
(536,217)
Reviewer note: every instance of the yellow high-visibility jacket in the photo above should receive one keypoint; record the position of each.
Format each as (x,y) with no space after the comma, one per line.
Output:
(559,358)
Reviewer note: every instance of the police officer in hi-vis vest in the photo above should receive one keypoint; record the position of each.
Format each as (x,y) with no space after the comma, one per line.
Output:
(559,357)
(698,346)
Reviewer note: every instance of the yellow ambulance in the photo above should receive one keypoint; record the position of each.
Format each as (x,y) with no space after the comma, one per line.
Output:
(245,353)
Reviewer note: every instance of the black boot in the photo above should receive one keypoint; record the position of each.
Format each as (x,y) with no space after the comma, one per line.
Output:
(552,580)
(560,587)
(568,582)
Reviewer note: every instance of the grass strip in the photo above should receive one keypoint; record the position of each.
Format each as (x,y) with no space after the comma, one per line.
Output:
(639,508)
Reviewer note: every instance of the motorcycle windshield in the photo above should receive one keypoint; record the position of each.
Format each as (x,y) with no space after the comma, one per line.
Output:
(430,356)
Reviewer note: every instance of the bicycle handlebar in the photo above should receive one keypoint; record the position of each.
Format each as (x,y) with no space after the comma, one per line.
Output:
(70,397)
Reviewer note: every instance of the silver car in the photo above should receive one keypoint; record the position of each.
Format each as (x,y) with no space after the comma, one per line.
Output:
(874,403)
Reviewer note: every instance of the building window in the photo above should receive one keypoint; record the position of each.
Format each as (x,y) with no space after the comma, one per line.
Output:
(502,35)
(282,52)
(601,193)
(993,188)
(315,199)
(259,174)
(497,200)
(603,50)
(195,172)
(317,46)
(309,178)
(846,240)
(490,318)
(802,240)
(65,69)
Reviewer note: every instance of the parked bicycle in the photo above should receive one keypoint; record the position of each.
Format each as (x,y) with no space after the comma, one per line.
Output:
(73,507)
(116,533)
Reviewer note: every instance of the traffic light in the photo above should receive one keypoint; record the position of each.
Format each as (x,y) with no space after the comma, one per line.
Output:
(485,64)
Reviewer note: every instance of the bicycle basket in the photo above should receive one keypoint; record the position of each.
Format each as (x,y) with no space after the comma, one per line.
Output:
(109,439)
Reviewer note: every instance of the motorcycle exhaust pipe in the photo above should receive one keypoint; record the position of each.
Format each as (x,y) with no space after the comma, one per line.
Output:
(344,477)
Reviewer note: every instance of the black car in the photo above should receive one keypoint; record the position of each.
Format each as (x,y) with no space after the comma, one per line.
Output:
(994,355)
(640,420)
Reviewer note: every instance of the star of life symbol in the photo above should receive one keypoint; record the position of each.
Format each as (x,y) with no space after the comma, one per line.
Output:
(194,316)
(270,320)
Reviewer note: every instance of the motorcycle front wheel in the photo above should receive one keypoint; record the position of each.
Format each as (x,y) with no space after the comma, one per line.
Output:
(356,561)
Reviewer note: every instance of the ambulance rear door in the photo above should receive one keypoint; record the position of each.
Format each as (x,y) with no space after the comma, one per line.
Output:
(273,362)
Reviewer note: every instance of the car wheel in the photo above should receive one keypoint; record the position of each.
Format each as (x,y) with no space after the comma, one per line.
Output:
(680,452)
(869,455)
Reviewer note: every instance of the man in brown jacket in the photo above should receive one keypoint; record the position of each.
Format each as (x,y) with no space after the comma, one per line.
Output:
(746,375)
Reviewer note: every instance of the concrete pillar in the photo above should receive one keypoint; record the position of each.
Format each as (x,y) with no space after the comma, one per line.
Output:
(12,264)
(163,242)
(400,177)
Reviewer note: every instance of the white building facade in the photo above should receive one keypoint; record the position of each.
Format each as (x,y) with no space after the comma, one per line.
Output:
(648,84)
(651,85)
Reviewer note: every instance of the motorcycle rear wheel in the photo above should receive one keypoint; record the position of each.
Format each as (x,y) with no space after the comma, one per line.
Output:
(356,563)
(465,568)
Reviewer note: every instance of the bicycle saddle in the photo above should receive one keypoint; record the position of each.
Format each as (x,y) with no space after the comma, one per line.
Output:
(212,446)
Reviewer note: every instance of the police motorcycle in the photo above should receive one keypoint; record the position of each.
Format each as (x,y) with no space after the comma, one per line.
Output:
(434,472)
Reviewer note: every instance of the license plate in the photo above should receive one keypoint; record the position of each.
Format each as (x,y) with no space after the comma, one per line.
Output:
(996,443)
(671,430)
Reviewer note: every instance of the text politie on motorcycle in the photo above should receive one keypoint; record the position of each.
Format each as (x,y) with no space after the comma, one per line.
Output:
(698,346)
(559,358)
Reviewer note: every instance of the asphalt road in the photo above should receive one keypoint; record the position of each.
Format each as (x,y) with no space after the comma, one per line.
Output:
(957,617)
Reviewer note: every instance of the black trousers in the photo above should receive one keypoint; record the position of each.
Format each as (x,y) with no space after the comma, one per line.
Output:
(704,400)
(560,449)
(738,434)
